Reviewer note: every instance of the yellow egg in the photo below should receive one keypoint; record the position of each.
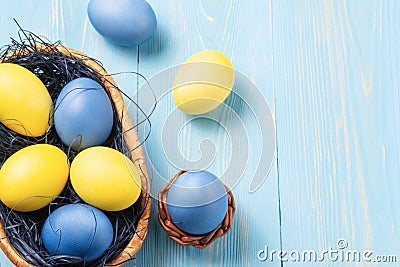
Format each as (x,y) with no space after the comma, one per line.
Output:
(26,104)
(105,178)
(32,177)
(203,82)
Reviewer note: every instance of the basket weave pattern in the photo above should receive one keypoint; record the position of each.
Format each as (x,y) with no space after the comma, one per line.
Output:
(131,139)
(198,241)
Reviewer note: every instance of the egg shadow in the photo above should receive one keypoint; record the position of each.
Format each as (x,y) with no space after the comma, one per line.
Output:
(156,240)
(155,46)
(236,102)
(126,52)
(230,244)
(238,99)
(233,243)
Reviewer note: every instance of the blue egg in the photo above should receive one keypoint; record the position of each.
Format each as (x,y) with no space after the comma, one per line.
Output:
(123,22)
(77,230)
(83,115)
(197,202)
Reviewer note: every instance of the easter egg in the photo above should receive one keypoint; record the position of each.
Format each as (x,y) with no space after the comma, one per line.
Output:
(77,230)
(197,202)
(26,105)
(105,178)
(123,22)
(203,82)
(83,115)
(32,177)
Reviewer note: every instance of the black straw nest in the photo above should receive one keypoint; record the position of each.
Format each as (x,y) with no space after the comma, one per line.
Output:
(55,70)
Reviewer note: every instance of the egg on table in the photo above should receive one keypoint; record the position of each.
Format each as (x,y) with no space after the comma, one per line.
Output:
(203,82)
(32,177)
(105,178)
(123,22)
(83,115)
(77,230)
(26,106)
(197,202)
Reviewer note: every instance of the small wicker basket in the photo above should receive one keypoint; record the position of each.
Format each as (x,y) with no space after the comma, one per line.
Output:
(131,139)
(179,236)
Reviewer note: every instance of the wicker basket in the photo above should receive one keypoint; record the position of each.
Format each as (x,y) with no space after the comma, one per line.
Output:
(198,241)
(131,138)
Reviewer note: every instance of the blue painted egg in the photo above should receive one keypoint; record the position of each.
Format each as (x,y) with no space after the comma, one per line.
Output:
(77,230)
(123,22)
(83,115)
(197,202)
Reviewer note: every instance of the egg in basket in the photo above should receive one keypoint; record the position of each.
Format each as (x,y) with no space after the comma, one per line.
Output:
(73,181)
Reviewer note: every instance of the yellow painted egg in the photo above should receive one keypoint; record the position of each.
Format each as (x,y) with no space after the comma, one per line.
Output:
(203,82)
(32,177)
(25,103)
(105,178)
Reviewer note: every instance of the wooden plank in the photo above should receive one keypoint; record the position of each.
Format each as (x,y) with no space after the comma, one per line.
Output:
(241,30)
(67,21)
(337,88)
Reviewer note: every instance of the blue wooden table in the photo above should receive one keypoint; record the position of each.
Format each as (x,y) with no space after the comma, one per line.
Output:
(330,72)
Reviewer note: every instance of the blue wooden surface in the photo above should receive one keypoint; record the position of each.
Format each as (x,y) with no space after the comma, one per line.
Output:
(330,73)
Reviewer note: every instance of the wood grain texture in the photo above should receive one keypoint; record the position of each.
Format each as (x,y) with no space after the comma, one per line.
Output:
(184,28)
(330,72)
(337,85)
(242,30)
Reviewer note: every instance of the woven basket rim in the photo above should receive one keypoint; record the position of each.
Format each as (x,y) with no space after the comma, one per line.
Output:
(138,159)
(183,238)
